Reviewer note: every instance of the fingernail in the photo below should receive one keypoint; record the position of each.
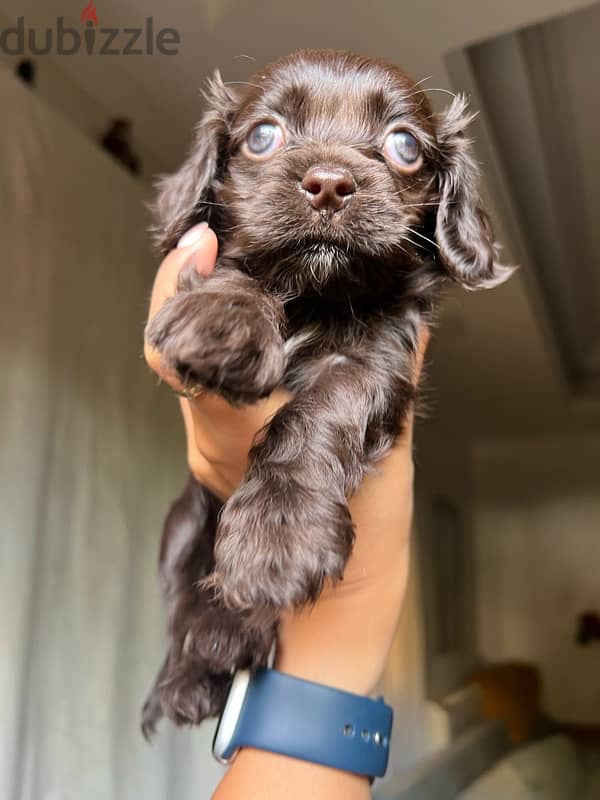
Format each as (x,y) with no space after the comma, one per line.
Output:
(194,235)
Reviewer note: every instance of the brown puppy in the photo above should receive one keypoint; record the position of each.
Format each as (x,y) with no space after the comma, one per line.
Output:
(342,206)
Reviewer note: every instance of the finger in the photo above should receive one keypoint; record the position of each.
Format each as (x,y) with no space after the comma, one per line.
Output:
(199,247)
(405,440)
(424,337)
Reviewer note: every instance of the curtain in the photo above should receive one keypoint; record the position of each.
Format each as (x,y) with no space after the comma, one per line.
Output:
(91,455)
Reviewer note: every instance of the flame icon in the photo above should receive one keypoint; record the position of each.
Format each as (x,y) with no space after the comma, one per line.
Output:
(89,13)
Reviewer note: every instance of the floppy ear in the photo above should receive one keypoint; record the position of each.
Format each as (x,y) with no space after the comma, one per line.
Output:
(184,197)
(463,230)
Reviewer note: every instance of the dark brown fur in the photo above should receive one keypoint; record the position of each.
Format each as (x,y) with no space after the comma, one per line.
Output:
(328,305)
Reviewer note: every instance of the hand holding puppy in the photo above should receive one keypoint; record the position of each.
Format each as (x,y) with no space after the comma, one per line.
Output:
(344,638)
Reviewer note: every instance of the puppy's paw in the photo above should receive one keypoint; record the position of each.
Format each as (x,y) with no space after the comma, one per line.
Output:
(223,342)
(152,713)
(225,640)
(277,543)
(189,693)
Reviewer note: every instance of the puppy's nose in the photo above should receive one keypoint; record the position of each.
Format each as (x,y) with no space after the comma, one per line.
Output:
(328,187)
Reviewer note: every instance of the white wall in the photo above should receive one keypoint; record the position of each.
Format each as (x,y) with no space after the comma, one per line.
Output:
(537,551)
(57,85)
(416,675)
(442,472)
(92,454)
(403,683)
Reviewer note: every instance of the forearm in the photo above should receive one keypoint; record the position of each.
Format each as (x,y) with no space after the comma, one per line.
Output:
(257,775)
(343,640)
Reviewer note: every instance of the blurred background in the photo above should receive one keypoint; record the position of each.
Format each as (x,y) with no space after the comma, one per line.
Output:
(495,671)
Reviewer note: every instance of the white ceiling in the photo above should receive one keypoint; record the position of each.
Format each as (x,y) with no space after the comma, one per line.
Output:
(161,93)
(496,366)
(546,79)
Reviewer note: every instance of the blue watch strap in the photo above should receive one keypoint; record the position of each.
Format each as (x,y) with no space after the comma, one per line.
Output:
(312,722)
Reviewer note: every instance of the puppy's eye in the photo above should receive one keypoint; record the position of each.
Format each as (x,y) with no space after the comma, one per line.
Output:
(403,150)
(263,140)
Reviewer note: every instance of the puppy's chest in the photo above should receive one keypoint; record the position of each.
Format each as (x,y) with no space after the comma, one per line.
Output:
(308,353)
(323,334)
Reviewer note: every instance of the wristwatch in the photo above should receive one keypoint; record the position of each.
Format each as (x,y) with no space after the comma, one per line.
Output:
(272,711)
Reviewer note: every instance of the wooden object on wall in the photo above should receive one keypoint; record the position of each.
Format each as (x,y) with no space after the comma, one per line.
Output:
(511,694)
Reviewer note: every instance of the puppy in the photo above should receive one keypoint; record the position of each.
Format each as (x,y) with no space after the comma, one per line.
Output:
(342,206)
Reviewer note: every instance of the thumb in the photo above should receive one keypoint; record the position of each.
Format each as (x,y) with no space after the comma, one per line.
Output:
(199,247)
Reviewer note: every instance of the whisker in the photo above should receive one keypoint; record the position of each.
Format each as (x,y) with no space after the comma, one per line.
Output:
(404,205)
(428,89)
(414,244)
(233,228)
(421,236)
(414,94)
(242,83)
(391,194)
(405,189)
(442,91)
(417,205)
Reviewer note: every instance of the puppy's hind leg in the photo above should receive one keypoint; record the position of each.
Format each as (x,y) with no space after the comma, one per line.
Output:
(152,711)
(206,641)
(186,551)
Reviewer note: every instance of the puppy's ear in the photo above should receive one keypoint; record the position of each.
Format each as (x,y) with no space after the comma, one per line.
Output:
(184,197)
(463,230)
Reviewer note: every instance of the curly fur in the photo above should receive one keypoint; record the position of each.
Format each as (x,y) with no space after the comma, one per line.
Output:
(328,305)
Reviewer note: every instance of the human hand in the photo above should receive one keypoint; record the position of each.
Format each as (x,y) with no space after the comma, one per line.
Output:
(219,436)
(343,639)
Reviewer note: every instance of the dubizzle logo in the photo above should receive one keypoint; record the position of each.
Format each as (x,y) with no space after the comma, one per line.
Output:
(93,40)
(89,13)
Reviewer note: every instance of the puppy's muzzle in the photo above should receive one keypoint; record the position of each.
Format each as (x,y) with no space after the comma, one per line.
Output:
(328,188)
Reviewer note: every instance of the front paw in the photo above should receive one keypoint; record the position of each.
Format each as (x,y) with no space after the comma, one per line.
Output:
(222,342)
(278,542)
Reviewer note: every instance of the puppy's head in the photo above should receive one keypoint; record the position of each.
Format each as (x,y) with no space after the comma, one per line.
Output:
(327,166)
